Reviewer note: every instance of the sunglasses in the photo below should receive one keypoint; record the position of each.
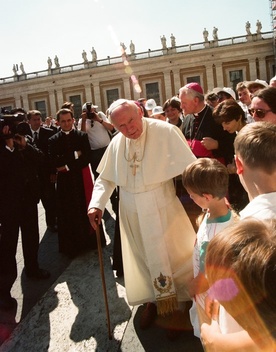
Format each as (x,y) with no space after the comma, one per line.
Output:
(259,112)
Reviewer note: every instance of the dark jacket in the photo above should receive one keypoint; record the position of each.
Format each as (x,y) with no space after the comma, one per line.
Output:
(18,176)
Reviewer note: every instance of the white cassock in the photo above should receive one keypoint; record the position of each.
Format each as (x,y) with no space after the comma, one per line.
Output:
(156,233)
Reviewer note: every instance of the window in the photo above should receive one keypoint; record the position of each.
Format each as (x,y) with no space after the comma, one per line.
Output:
(76,100)
(41,106)
(112,95)
(152,92)
(6,108)
(193,79)
(235,77)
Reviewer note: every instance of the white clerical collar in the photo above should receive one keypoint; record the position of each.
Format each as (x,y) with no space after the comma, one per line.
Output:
(67,132)
(197,113)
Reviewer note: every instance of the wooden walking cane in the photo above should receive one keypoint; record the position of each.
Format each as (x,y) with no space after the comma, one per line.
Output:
(103,279)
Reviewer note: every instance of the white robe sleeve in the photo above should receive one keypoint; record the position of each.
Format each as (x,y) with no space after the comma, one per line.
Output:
(101,193)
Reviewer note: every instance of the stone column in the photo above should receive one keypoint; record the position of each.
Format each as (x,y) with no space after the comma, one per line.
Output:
(97,94)
(168,85)
(135,88)
(252,69)
(52,101)
(262,68)
(210,76)
(59,100)
(22,101)
(126,83)
(88,95)
(176,79)
(219,71)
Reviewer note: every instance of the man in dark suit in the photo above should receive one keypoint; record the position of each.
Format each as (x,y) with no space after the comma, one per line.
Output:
(49,124)
(69,150)
(19,189)
(47,180)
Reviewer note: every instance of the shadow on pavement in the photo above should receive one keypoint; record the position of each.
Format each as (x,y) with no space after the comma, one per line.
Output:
(50,259)
(155,339)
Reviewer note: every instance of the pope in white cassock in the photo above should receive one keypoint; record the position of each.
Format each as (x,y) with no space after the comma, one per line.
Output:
(157,235)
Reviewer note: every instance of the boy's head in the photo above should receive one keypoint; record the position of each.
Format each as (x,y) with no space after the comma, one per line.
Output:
(241,271)
(255,148)
(206,176)
(243,93)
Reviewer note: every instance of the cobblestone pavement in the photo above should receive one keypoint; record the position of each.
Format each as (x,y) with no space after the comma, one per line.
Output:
(67,311)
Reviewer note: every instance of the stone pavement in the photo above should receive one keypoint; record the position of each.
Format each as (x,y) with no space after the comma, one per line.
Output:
(67,311)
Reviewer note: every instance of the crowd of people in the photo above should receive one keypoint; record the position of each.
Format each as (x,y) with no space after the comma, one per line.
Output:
(187,180)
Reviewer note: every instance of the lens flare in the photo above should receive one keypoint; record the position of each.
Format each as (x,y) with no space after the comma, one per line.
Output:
(224,290)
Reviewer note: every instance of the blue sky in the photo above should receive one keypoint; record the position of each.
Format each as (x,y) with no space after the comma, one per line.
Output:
(31,31)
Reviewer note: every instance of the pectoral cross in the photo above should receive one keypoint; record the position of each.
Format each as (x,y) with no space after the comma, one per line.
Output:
(134,165)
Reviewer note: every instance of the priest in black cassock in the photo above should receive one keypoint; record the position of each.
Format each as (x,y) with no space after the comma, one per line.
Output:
(69,151)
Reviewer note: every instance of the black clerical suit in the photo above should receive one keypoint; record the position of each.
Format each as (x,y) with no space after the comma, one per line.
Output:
(197,126)
(74,229)
(47,188)
(19,195)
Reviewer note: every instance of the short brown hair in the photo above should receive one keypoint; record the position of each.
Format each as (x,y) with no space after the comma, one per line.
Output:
(256,145)
(241,86)
(174,102)
(208,176)
(67,105)
(228,110)
(63,112)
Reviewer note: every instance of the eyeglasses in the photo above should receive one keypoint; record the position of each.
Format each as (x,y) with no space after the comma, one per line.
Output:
(259,112)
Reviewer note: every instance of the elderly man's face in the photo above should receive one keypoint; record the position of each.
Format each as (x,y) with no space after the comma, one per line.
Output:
(189,104)
(128,120)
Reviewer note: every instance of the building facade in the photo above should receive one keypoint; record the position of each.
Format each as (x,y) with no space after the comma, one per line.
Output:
(156,74)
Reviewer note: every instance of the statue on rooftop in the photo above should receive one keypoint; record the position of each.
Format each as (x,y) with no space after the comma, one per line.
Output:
(84,56)
(215,33)
(122,45)
(163,42)
(56,62)
(173,43)
(259,27)
(49,62)
(247,28)
(22,68)
(132,47)
(205,35)
(94,55)
(15,69)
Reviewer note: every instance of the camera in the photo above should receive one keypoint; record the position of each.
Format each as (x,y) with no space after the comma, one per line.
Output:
(90,114)
(15,122)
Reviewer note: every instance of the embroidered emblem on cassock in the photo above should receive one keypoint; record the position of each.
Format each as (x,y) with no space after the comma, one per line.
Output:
(163,283)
